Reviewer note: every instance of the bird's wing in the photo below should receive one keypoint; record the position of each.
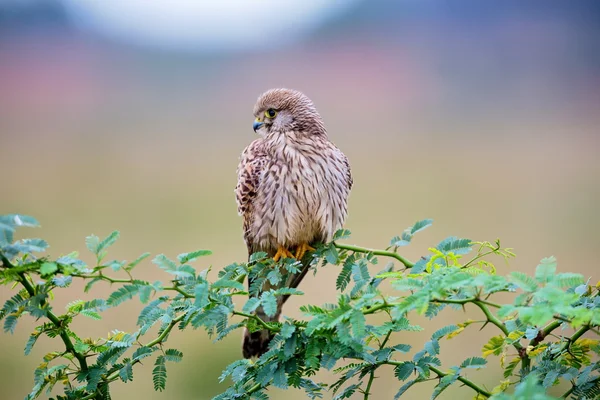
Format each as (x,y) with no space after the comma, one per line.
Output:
(349,179)
(252,163)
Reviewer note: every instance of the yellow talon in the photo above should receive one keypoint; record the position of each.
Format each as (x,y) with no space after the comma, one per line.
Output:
(282,252)
(302,249)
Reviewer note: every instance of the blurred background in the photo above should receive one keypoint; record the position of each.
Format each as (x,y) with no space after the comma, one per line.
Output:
(131,115)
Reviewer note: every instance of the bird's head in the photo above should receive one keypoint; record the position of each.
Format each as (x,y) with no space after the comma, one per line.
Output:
(280,111)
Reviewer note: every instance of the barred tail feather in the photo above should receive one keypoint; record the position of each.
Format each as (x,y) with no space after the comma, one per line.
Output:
(255,344)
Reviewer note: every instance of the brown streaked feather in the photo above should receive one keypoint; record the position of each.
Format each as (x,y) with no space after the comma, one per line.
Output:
(250,168)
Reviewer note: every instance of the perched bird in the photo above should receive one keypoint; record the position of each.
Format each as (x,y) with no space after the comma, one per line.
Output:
(292,190)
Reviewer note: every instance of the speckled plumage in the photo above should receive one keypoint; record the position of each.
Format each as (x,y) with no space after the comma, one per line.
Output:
(293,186)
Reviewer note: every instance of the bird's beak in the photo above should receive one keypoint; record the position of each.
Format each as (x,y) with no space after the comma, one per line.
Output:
(257,124)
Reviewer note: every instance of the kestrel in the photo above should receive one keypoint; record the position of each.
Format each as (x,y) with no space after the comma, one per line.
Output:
(292,190)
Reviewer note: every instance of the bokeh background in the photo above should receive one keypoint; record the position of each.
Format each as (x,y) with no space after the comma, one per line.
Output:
(130,115)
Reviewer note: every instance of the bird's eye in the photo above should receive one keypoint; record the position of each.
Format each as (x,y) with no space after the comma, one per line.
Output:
(270,113)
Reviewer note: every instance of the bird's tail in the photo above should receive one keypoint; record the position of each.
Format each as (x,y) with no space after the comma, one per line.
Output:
(256,343)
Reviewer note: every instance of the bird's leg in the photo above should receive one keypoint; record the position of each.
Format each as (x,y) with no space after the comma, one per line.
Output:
(282,252)
(302,249)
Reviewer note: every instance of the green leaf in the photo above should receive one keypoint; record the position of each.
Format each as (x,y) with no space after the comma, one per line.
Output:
(269,303)
(165,263)
(343,278)
(10,323)
(62,281)
(108,241)
(173,355)
(420,265)
(360,273)
(433,347)
(141,352)
(120,339)
(48,268)
(81,347)
(279,378)
(126,372)
(29,246)
(404,388)
(473,362)
(274,277)
(287,291)
(91,314)
(568,280)
(92,242)
(16,220)
(331,255)
(347,392)
(227,284)
(184,258)
(32,339)
(357,319)
(122,294)
(8,224)
(444,383)
(258,256)
(493,346)
(13,304)
(402,348)
(201,293)
(287,330)
(159,374)
(454,245)
(94,375)
(404,371)
(341,234)
(523,281)
(402,240)
(421,225)
(251,305)
(546,270)
(138,260)
(440,333)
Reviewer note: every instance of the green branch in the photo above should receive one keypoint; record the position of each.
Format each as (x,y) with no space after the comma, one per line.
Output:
(442,374)
(464,380)
(159,340)
(50,315)
(372,374)
(376,252)
(257,319)
(493,319)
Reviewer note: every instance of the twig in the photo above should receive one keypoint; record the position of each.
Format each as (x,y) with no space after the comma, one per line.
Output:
(441,374)
(376,252)
(50,315)
(372,374)
(257,319)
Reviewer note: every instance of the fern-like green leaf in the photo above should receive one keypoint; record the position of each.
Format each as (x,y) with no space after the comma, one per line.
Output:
(159,374)
(473,362)
(173,355)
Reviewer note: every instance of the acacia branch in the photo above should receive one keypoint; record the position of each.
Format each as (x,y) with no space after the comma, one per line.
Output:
(384,253)
(257,319)
(442,374)
(372,374)
(50,315)
(464,380)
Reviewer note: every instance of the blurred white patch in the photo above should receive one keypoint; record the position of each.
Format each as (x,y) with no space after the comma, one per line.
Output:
(200,24)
